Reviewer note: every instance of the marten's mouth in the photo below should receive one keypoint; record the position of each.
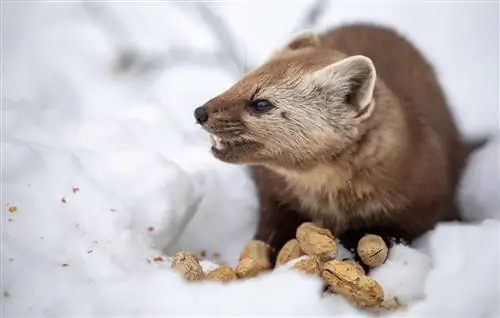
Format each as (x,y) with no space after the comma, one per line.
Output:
(231,149)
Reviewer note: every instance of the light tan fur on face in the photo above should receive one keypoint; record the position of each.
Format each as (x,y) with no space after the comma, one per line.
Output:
(312,121)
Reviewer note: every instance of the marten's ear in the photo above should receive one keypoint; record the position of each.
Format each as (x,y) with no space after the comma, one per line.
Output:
(305,38)
(302,39)
(352,79)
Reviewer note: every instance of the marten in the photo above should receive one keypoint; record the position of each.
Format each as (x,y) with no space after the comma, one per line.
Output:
(349,129)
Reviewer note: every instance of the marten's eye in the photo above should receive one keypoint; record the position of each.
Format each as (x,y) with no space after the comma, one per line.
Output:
(260,106)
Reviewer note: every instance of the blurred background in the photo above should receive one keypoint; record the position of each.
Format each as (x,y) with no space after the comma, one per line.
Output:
(186,51)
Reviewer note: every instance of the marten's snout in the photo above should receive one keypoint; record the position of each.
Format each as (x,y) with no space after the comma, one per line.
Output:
(201,115)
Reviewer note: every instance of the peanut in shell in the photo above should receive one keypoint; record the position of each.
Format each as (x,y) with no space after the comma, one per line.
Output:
(316,242)
(357,266)
(291,250)
(372,250)
(309,266)
(345,279)
(254,259)
(188,265)
(223,273)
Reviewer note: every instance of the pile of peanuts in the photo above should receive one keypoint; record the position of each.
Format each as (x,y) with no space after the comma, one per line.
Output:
(312,252)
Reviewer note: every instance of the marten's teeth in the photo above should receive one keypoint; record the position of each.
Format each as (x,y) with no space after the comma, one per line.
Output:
(216,142)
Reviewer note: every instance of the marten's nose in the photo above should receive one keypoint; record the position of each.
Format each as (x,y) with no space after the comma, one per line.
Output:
(201,115)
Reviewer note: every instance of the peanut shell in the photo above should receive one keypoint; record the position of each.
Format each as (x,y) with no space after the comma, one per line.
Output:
(249,267)
(316,242)
(291,250)
(223,273)
(308,266)
(357,266)
(372,250)
(311,227)
(345,279)
(188,265)
(255,249)
(254,259)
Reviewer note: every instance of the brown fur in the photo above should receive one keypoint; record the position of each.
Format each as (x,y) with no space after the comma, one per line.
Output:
(385,159)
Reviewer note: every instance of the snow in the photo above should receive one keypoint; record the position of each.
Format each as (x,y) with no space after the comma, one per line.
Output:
(108,172)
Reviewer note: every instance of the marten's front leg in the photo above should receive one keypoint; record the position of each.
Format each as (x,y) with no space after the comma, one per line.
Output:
(277,225)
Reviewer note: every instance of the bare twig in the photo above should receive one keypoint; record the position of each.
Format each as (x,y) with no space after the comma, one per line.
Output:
(228,49)
(132,60)
(226,55)
(313,15)
(141,63)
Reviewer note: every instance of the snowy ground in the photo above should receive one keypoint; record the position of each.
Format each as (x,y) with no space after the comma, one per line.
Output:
(103,172)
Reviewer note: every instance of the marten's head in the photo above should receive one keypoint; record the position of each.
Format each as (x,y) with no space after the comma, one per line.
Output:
(305,104)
